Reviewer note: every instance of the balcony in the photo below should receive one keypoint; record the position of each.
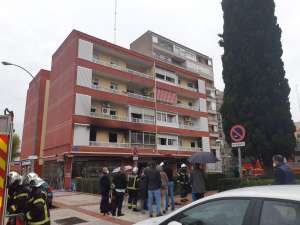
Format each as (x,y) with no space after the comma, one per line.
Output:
(188,88)
(190,149)
(114,66)
(188,126)
(213,134)
(212,111)
(212,121)
(188,107)
(129,94)
(107,116)
(138,120)
(109,144)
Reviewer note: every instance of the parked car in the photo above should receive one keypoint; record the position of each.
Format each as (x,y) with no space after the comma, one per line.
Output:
(265,205)
(47,189)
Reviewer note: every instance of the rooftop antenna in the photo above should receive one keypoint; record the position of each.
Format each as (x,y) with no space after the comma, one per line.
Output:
(115,25)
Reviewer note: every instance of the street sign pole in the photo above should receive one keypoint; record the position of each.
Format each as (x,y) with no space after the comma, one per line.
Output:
(240,162)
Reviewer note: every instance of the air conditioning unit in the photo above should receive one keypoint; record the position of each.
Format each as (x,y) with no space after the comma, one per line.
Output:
(105,110)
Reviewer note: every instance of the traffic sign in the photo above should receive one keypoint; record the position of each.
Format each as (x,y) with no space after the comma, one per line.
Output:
(238,144)
(237,133)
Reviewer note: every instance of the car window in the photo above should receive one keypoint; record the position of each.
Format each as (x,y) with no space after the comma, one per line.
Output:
(220,212)
(280,213)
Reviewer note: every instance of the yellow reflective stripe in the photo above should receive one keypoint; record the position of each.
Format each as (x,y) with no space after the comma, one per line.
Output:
(3,145)
(2,164)
(30,200)
(0,201)
(39,200)
(13,207)
(28,216)
(47,219)
(1,182)
(21,195)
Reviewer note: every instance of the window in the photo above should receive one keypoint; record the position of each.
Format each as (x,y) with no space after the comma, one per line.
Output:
(191,85)
(190,104)
(170,79)
(171,141)
(149,139)
(193,144)
(166,117)
(163,141)
(213,213)
(159,76)
(93,110)
(148,119)
(179,81)
(178,102)
(114,61)
(113,112)
(170,118)
(136,137)
(280,213)
(136,117)
(199,142)
(95,82)
(113,137)
(113,86)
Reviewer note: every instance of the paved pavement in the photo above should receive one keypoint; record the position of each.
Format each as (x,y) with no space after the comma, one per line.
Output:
(83,209)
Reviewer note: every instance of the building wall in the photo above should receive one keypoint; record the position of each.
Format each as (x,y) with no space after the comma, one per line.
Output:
(59,133)
(34,117)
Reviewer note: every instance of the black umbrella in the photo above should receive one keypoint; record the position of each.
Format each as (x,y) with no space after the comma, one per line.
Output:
(202,158)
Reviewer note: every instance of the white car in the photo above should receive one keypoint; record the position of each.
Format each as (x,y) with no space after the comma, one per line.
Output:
(265,205)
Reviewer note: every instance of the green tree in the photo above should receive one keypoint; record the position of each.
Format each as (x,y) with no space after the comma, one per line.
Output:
(15,147)
(256,91)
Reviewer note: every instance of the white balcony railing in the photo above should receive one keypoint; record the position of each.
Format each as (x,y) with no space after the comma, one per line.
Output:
(188,88)
(188,126)
(131,145)
(212,111)
(107,116)
(121,68)
(138,120)
(188,107)
(129,94)
(189,149)
(109,144)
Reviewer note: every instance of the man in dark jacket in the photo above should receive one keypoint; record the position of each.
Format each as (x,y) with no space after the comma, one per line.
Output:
(153,178)
(105,188)
(197,182)
(143,190)
(120,184)
(282,172)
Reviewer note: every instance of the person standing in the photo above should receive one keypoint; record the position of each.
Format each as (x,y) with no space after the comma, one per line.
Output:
(120,184)
(142,194)
(153,184)
(164,188)
(170,193)
(184,182)
(105,185)
(133,188)
(282,172)
(197,182)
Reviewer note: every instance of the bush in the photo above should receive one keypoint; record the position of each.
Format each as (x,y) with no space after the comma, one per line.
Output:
(212,180)
(228,183)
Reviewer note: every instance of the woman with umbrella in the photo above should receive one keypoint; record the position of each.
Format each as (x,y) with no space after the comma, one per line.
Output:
(197,175)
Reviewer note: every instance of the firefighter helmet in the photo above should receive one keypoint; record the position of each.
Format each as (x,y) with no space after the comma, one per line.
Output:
(37,182)
(14,177)
(29,178)
(135,170)
(183,165)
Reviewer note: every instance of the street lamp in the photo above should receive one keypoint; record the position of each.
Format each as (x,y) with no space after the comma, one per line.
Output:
(36,111)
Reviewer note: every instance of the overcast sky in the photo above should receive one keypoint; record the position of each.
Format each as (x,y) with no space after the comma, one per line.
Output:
(32,30)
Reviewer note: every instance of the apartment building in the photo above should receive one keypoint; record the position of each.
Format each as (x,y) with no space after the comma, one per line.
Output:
(107,102)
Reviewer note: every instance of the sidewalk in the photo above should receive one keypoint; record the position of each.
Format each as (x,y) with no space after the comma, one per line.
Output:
(81,208)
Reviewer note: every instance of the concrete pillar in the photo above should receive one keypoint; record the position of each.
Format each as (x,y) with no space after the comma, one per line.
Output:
(68,173)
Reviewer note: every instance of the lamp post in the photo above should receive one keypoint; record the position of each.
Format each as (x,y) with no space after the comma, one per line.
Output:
(36,110)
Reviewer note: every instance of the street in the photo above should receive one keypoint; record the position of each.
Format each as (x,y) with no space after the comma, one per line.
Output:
(81,208)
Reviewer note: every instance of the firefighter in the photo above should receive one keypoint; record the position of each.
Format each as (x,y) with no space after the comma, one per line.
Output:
(17,196)
(37,212)
(133,189)
(184,183)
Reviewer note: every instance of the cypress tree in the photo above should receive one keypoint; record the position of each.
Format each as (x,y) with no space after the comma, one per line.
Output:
(256,91)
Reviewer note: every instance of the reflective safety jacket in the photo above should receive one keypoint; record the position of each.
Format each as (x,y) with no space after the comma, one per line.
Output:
(17,200)
(133,182)
(37,210)
(183,178)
